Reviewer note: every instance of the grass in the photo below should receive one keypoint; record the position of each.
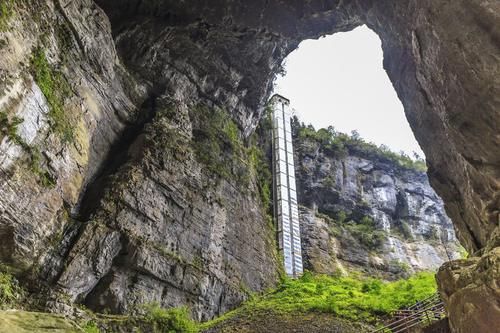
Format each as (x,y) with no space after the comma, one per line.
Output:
(352,298)
(27,322)
(55,89)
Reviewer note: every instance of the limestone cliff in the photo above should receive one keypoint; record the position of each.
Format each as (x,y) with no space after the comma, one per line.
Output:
(115,190)
(364,211)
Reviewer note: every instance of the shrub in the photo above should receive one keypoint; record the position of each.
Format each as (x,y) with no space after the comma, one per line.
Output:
(8,127)
(91,327)
(366,233)
(406,230)
(10,291)
(175,320)
(340,144)
(399,266)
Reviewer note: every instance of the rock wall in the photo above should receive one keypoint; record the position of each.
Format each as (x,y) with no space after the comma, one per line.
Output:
(125,207)
(113,64)
(367,213)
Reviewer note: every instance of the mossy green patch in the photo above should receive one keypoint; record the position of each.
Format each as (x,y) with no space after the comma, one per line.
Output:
(354,298)
(91,327)
(11,294)
(6,12)
(175,320)
(28,322)
(55,89)
(217,144)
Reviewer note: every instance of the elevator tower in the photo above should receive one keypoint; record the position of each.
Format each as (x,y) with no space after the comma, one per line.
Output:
(286,211)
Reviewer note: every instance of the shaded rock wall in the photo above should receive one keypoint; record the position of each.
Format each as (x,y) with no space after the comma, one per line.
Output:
(369,214)
(129,210)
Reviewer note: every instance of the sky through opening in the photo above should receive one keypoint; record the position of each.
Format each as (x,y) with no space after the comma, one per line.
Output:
(339,80)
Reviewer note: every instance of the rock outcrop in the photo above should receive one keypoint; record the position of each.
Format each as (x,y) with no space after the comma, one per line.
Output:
(365,212)
(104,75)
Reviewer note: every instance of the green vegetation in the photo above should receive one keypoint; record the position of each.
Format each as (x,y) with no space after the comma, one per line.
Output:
(366,233)
(6,12)
(261,168)
(11,293)
(406,230)
(401,267)
(8,127)
(174,320)
(352,298)
(29,322)
(463,252)
(363,230)
(341,144)
(217,144)
(55,88)
(91,327)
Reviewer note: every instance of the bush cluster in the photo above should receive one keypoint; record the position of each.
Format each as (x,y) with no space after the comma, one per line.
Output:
(174,320)
(342,144)
(366,233)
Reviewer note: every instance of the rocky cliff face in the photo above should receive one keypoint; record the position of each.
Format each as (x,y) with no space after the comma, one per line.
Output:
(367,213)
(82,94)
(115,190)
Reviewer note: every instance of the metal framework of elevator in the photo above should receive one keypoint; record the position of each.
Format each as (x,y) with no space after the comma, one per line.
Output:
(286,210)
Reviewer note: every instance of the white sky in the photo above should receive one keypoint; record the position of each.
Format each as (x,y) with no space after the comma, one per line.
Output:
(339,80)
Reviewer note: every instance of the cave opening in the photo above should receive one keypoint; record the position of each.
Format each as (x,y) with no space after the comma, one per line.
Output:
(366,168)
(338,80)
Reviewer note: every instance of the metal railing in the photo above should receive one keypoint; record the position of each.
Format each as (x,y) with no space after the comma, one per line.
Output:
(422,313)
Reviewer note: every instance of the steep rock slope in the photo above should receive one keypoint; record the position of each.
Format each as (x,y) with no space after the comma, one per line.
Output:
(368,213)
(117,191)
